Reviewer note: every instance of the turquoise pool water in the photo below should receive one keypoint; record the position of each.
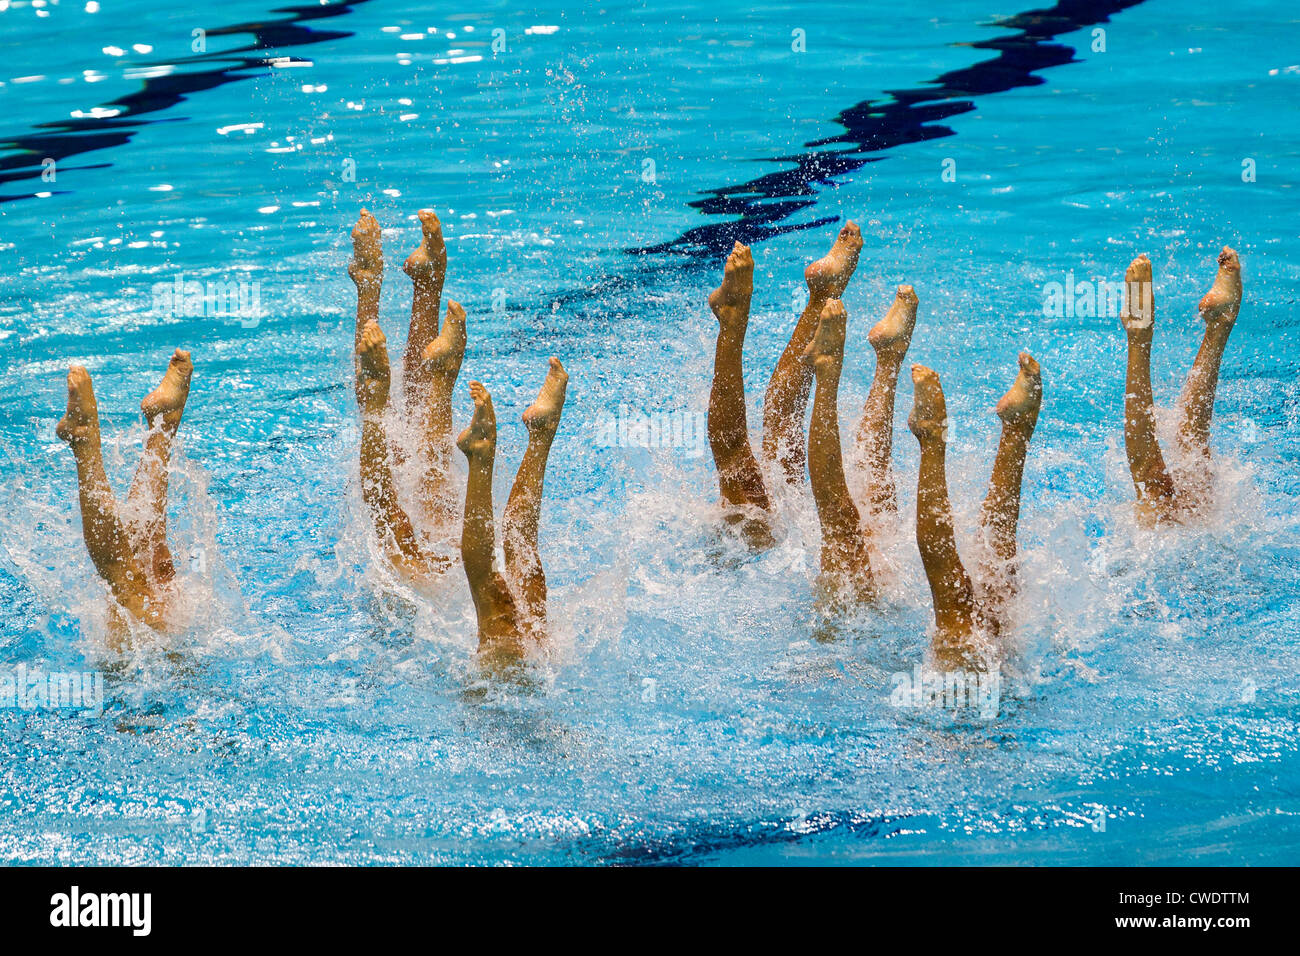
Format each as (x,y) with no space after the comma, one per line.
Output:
(692,710)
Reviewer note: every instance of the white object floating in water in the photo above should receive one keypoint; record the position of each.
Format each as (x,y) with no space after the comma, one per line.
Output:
(246,127)
(162,188)
(267,210)
(114,51)
(542,31)
(99,112)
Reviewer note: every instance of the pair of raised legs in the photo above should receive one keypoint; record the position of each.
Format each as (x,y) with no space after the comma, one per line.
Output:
(511,607)
(430,365)
(965,608)
(128,542)
(1158,499)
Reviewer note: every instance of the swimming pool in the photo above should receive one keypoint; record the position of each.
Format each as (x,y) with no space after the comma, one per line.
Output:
(692,709)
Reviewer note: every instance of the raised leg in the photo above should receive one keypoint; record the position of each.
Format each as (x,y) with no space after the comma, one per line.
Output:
(739,478)
(844,559)
(440,364)
(427,267)
(523,509)
(786,399)
(1219,309)
(1000,516)
(378,490)
(499,626)
(950,585)
(367,271)
(1155,489)
(106,535)
(147,499)
(890,338)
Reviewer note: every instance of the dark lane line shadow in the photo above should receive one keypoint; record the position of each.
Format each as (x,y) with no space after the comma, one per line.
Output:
(23,157)
(908,116)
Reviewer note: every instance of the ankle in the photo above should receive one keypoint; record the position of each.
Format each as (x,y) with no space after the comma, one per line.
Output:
(889,363)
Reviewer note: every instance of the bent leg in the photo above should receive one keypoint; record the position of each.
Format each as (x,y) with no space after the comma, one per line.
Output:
(523,509)
(844,556)
(950,585)
(786,398)
(739,479)
(147,498)
(1219,309)
(890,338)
(498,619)
(1000,515)
(106,535)
(1155,489)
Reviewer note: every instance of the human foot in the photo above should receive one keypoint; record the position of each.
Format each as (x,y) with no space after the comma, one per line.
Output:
(1139,312)
(428,263)
(730,301)
(543,416)
(168,399)
(929,418)
(1019,406)
(372,369)
(829,275)
(80,424)
(367,265)
(1219,306)
(444,354)
(891,336)
(480,439)
(825,353)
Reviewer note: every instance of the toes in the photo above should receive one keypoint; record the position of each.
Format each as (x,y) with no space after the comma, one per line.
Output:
(372,335)
(833,309)
(430,224)
(1139,269)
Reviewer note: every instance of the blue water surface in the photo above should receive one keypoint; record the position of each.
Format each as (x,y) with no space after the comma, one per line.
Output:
(692,707)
